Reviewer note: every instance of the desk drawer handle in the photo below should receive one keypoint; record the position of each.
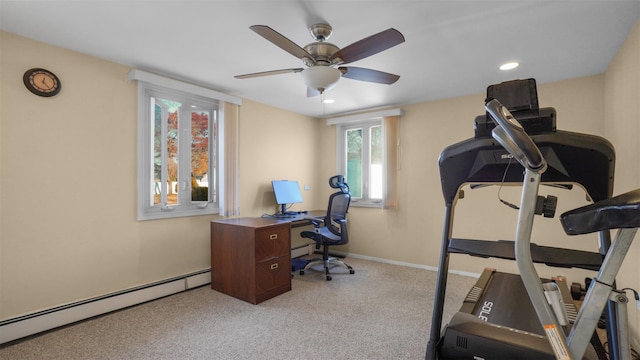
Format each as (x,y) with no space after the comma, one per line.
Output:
(274,266)
(273,236)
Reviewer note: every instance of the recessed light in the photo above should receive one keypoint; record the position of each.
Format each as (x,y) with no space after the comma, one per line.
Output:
(509,66)
(328,101)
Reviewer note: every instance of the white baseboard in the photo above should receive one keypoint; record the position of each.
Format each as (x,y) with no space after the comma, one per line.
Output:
(402,263)
(302,251)
(30,324)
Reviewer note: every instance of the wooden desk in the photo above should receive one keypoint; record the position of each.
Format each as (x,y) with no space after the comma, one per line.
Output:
(251,257)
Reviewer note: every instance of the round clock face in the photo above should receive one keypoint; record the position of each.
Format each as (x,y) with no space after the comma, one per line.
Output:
(41,82)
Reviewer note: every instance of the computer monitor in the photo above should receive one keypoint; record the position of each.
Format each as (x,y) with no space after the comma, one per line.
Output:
(287,192)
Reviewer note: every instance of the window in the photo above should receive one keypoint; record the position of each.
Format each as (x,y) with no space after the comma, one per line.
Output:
(180,167)
(367,149)
(180,152)
(362,161)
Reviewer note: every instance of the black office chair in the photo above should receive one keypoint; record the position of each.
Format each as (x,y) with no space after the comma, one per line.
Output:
(334,227)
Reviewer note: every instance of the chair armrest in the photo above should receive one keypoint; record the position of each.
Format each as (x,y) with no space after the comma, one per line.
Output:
(343,228)
(316,220)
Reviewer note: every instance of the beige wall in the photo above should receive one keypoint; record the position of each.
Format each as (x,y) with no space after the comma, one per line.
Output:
(68,228)
(75,236)
(275,144)
(413,233)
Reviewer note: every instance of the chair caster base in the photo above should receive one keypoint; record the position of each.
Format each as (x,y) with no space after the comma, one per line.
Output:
(327,264)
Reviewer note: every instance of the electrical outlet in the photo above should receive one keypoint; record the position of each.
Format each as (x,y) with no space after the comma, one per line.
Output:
(307,187)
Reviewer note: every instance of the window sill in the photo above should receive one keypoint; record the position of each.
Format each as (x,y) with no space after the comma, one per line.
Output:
(157,215)
(366,204)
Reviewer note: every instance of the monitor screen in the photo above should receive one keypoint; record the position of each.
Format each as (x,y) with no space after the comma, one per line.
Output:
(286,191)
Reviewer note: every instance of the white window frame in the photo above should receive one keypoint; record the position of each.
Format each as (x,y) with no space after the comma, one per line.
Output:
(347,122)
(366,126)
(153,85)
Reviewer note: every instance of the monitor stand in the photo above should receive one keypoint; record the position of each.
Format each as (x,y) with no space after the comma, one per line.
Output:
(284,213)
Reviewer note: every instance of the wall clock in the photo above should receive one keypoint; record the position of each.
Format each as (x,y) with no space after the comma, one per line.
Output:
(42,82)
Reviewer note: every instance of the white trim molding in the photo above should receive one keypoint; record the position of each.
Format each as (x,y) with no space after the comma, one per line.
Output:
(34,323)
(364,116)
(158,80)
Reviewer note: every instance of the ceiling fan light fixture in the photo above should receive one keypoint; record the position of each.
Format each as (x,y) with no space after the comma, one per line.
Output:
(321,78)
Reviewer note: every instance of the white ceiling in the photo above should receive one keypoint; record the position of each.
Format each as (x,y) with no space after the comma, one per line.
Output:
(453,48)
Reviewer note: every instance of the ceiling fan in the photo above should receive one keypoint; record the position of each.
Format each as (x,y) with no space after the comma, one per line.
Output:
(323,59)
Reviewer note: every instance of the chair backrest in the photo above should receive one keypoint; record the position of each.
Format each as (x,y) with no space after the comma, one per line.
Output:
(336,219)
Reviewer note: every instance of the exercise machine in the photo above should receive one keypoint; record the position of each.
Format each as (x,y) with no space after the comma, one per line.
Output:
(570,158)
(621,212)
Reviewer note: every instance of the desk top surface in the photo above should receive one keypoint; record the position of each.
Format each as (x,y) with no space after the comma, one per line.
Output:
(269,221)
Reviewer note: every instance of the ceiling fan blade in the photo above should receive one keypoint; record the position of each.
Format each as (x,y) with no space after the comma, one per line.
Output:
(369,75)
(311,92)
(267,73)
(281,41)
(369,46)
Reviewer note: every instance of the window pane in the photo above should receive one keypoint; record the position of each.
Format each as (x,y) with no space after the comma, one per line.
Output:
(157,154)
(165,142)
(200,155)
(354,161)
(375,169)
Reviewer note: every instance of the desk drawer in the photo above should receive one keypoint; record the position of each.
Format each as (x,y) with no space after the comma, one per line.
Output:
(273,274)
(272,242)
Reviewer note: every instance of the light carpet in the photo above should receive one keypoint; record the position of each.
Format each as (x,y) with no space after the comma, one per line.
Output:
(382,311)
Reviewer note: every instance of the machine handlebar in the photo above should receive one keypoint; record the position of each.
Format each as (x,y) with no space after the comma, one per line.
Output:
(511,135)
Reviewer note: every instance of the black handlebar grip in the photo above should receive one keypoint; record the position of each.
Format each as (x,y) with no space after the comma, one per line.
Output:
(511,135)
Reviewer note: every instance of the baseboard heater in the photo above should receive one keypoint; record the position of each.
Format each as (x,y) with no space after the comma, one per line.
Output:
(31,324)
